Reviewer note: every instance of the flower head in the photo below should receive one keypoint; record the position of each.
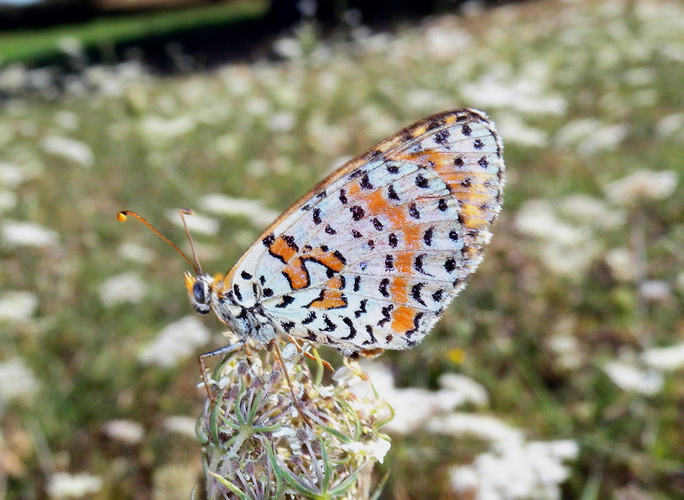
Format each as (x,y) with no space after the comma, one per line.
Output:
(259,444)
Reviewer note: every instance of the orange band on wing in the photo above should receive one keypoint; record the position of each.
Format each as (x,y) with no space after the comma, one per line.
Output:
(296,274)
(403,319)
(282,250)
(329,299)
(404,263)
(399,290)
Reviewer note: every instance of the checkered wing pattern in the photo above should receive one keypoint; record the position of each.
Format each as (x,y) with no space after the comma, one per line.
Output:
(371,256)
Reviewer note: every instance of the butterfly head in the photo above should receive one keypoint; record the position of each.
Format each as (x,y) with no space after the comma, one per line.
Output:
(200,290)
(200,286)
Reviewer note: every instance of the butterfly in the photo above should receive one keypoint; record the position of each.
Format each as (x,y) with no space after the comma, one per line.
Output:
(370,257)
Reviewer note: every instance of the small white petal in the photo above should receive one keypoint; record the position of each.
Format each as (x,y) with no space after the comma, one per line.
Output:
(126,431)
(176,342)
(65,485)
(17,306)
(16,380)
(27,234)
(665,358)
(123,288)
(69,149)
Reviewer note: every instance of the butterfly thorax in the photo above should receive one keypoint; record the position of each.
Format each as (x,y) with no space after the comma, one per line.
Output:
(245,319)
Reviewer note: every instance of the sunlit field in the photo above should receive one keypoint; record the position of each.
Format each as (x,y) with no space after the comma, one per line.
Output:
(557,373)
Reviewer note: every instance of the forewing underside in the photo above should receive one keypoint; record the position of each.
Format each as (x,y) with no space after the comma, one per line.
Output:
(372,255)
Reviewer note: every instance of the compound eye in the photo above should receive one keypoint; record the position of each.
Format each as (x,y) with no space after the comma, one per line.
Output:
(198,292)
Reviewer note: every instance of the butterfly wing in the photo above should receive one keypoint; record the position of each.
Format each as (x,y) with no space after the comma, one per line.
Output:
(372,255)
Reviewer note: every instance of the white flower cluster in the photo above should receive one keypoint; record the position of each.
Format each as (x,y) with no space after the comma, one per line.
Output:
(511,469)
(645,374)
(516,470)
(565,233)
(176,342)
(65,485)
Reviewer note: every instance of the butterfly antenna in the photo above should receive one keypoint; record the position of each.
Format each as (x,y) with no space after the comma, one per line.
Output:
(124,214)
(183,212)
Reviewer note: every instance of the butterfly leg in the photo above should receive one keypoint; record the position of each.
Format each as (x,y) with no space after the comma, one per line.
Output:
(276,348)
(309,355)
(203,370)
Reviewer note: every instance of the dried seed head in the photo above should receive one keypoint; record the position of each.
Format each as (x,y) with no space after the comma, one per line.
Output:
(268,447)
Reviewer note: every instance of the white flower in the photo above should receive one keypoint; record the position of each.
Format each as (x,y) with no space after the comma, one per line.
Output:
(13,77)
(472,391)
(487,428)
(27,234)
(65,485)
(375,450)
(632,378)
(523,95)
(17,306)
(441,40)
(16,381)
(126,431)
(163,131)
(67,119)
(288,48)
(70,45)
(655,290)
(642,185)
(566,249)
(414,407)
(135,252)
(516,470)
(591,211)
(665,358)
(228,144)
(670,125)
(12,175)
(175,342)
(69,149)
(517,132)
(254,210)
(378,449)
(567,349)
(123,288)
(282,122)
(621,264)
(181,425)
(197,223)
(591,136)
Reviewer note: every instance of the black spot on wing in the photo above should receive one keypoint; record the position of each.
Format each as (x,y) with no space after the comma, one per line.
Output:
(357,283)
(268,240)
(357,212)
(384,283)
(415,293)
(329,325)
(287,300)
(386,315)
(352,329)
(362,309)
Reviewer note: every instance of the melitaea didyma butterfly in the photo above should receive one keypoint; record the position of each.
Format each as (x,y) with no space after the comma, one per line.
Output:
(371,256)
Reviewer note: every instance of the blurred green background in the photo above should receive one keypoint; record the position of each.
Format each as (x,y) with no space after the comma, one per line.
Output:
(570,336)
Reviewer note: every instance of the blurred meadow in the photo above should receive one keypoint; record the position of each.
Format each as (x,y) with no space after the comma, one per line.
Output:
(558,372)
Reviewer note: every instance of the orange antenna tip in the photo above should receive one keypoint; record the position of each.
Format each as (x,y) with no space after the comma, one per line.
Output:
(123,215)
